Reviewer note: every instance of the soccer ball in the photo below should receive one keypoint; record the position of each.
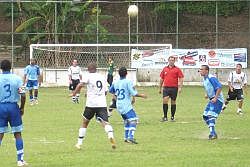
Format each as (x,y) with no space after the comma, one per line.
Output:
(132,11)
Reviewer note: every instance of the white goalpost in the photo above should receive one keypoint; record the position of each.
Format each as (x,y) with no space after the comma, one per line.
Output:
(55,59)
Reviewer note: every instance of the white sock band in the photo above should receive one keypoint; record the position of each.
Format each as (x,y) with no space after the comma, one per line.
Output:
(109,131)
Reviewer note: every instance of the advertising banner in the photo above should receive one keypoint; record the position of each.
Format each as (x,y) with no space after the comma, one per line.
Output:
(189,58)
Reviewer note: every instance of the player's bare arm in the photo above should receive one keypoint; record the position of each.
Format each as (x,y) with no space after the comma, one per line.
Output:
(216,95)
(23,99)
(141,95)
(160,86)
(180,84)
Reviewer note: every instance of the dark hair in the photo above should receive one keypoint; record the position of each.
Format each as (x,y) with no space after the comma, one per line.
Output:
(5,65)
(239,65)
(123,72)
(206,67)
(171,57)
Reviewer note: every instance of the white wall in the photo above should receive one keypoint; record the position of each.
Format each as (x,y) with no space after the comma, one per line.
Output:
(59,77)
(140,77)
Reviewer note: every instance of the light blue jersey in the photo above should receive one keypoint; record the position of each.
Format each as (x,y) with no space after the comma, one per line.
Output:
(123,89)
(9,85)
(32,72)
(211,85)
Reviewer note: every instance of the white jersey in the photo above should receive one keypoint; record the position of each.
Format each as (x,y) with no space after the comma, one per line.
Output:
(74,72)
(96,90)
(237,80)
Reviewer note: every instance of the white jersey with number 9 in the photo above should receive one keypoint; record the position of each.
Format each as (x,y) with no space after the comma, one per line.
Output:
(96,90)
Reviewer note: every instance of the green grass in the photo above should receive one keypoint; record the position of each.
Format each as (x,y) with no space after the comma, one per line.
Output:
(51,131)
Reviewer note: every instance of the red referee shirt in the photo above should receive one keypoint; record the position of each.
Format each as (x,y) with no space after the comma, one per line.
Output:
(170,76)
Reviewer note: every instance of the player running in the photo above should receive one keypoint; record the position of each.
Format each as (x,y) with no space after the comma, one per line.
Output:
(96,104)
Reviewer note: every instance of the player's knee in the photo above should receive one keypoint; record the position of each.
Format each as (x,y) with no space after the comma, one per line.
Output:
(108,128)
(205,118)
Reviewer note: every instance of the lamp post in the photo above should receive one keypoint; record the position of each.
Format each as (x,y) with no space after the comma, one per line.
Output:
(132,12)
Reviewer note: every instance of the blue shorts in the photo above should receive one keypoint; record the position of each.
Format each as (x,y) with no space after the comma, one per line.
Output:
(10,113)
(213,109)
(32,84)
(130,116)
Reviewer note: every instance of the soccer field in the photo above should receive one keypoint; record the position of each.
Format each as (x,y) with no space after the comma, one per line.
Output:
(51,131)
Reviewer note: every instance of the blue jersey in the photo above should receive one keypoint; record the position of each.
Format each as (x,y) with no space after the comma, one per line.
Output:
(32,72)
(123,89)
(211,85)
(9,85)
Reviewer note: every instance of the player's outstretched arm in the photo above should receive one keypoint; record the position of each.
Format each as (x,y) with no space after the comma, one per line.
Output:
(141,95)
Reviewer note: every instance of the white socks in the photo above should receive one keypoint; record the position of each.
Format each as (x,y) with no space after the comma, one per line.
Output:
(109,131)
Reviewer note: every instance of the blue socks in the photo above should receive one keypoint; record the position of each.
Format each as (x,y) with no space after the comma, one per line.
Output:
(126,130)
(129,128)
(132,128)
(19,148)
(210,121)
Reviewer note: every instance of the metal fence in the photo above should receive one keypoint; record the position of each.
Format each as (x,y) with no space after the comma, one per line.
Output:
(107,22)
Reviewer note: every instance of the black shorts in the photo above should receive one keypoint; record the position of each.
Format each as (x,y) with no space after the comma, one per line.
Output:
(74,83)
(171,92)
(110,79)
(235,94)
(100,113)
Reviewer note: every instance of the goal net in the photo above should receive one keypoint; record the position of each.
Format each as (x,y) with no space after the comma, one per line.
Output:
(55,59)
(60,56)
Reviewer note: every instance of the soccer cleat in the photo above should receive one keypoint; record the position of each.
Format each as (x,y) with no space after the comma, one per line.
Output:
(109,113)
(212,137)
(22,163)
(164,119)
(224,107)
(239,112)
(126,141)
(36,101)
(172,119)
(31,103)
(132,141)
(74,100)
(78,146)
(112,141)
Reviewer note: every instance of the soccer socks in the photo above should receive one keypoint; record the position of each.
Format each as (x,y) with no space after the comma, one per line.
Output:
(82,133)
(165,110)
(211,125)
(31,98)
(109,130)
(132,128)
(0,142)
(19,148)
(77,97)
(210,121)
(173,109)
(126,130)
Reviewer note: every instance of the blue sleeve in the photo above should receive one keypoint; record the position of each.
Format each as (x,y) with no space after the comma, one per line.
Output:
(112,89)
(38,70)
(132,91)
(216,84)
